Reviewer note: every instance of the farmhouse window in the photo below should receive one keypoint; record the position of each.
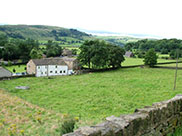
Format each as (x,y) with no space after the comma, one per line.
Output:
(45,72)
(56,66)
(50,71)
(64,71)
(60,71)
(38,67)
(42,73)
(55,71)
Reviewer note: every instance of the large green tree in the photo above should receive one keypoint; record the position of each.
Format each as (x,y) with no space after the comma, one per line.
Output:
(36,53)
(53,49)
(98,54)
(150,58)
(115,55)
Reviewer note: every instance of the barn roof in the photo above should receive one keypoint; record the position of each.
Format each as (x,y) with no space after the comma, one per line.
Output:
(128,53)
(49,61)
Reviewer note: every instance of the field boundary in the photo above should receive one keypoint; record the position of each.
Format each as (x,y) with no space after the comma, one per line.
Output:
(159,119)
(14,77)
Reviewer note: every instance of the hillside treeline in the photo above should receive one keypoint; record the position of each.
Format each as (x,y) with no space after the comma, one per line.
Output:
(19,49)
(164,46)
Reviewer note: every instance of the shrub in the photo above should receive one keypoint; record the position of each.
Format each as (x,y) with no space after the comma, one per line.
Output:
(150,58)
(9,63)
(68,124)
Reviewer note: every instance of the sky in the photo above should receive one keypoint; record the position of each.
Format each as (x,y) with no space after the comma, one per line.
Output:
(152,17)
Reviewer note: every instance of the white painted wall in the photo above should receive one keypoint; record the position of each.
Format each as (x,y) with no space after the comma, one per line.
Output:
(51,70)
(70,72)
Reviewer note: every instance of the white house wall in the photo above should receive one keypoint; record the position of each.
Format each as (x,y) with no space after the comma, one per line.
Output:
(51,70)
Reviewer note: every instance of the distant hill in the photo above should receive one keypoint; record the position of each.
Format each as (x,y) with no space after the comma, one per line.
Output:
(44,33)
(118,40)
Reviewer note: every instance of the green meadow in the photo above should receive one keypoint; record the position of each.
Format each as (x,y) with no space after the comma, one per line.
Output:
(92,97)
(18,68)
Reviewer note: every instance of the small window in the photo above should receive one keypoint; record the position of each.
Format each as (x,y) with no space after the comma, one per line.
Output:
(64,71)
(45,72)
(42,73)
(56,66)
(50,71)
(38,67)
(60,71)
(55,71)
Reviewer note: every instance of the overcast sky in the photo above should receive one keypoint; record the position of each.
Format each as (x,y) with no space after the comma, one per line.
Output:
(154,17)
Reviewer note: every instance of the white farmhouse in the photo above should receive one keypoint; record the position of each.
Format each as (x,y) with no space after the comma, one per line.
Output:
(49,67)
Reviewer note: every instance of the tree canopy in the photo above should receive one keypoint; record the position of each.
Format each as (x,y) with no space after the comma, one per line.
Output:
(98,54)
(150,58)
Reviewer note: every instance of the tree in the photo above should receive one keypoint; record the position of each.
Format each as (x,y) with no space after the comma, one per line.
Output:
(98,54)
(53,49)
(3,39)
(85,54)
(115,55)
(36,54)
(150,58)
(173,53)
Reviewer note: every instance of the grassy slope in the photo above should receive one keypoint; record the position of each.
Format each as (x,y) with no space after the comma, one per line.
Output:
(119,40)
(20,118)
(38,32)
(95,96)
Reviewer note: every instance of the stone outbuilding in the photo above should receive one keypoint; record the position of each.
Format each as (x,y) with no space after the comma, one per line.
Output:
(129,54)
(4,72)
(67,52)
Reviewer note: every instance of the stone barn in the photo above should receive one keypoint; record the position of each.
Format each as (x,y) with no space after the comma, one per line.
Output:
(129,54)
(4,72)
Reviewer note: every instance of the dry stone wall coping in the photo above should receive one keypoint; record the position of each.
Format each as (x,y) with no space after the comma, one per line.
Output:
(157,120)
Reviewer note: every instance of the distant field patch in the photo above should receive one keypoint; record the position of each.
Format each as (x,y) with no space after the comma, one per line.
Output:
(139,61)
(18,68)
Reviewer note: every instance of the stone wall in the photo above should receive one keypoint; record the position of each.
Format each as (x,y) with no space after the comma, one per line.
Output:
(159,119)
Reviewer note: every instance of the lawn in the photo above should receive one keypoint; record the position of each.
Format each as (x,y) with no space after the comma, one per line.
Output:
(138,61)
(95,96)
(171,65)
(18,68)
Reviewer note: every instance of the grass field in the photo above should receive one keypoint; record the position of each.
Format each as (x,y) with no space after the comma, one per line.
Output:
(171,65)
(20,118)
(95,96)
(18,68)
(138,61)
(91,97)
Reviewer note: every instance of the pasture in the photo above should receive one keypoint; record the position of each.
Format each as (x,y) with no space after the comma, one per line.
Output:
(94,96)
(18,68)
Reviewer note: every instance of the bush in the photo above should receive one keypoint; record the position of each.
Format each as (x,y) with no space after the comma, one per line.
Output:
(9,63)
(150,58)
(68,124)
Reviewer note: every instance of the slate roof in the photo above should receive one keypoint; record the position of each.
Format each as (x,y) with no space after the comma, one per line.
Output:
(68,59)
(128,54)
(49,61)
